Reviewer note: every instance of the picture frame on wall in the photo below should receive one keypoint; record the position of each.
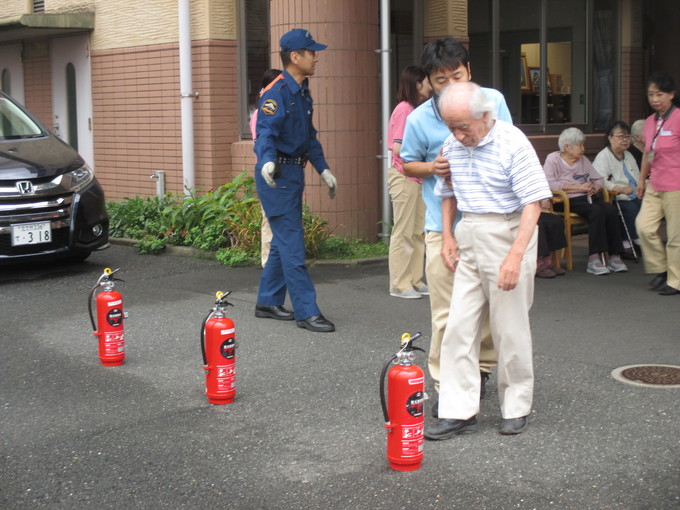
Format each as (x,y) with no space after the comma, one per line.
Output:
(535,79)
(524,70)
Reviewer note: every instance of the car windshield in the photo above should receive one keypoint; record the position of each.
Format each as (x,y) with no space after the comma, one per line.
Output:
(14,123)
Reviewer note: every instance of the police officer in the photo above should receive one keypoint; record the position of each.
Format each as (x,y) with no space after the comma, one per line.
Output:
(286,139)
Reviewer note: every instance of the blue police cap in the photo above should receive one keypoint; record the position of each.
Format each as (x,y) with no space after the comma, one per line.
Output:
(300,39)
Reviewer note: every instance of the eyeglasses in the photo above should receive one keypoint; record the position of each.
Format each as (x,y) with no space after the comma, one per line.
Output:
(623,138)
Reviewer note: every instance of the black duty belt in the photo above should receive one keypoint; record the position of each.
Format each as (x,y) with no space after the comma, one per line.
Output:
(285,159)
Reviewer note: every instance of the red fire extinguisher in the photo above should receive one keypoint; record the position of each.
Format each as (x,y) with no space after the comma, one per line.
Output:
(404,409)
(110,317)
(218,345)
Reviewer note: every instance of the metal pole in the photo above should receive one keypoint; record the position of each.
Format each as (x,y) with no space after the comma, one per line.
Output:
(186,95)
(385,113)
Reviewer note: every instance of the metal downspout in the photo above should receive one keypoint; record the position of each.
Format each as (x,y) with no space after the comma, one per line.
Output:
(385,114)
(186,95)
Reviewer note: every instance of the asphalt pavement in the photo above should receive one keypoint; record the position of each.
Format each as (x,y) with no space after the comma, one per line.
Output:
(306,429)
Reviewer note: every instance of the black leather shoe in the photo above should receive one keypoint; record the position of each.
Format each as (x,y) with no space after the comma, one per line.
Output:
(277,312)
(658,281)
(513,426)
(667,290)
(446,429)
(317,323)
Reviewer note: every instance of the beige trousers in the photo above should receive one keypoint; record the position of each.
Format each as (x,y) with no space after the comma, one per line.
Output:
(265,239)
(483,242)
(657,205)
(407,248)
(440,283)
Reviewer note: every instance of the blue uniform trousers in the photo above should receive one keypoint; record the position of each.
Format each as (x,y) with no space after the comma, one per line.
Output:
(285,269)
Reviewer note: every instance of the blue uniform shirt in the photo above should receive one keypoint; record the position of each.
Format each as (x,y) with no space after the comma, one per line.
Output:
(284,123)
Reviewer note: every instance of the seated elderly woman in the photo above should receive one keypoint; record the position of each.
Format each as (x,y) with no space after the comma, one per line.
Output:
(637,139)
(569,171)
(620,172)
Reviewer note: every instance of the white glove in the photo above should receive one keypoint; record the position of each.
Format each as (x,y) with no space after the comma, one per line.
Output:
(330,180)
(268,170)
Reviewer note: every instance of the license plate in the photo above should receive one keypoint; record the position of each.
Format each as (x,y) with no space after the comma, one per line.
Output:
(31,233)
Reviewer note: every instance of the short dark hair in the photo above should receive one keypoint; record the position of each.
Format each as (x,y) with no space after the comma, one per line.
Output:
(408,81)
(269,76)
(444,53)
(285,56)
(617,124)
(664,82)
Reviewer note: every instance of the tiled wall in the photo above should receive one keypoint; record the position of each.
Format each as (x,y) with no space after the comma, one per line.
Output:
(346,92)
(137,122)
(633,106)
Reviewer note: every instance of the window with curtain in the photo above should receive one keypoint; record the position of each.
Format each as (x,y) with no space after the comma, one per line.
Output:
(552,67)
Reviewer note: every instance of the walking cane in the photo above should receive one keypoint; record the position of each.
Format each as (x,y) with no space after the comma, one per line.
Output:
(625,227)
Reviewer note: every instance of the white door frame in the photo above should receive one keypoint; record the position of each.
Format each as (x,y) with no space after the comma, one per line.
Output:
(10,59)
(73,50)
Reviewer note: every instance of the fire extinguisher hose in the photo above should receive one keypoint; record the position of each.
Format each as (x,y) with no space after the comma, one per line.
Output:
(205,321)
(383,373)
(89,306)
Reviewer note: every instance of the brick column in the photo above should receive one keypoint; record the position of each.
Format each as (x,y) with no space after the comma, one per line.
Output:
(346,92)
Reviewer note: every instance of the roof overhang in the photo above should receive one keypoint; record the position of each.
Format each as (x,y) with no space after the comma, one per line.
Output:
(41,26)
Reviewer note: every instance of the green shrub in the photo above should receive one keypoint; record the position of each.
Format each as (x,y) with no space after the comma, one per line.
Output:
(226,221)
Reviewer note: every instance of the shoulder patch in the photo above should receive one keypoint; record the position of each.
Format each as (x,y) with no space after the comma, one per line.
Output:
(269,107)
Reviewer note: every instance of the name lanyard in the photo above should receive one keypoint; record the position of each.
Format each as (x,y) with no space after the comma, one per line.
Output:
(660,123)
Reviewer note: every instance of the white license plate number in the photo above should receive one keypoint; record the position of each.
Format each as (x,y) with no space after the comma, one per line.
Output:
(31,233)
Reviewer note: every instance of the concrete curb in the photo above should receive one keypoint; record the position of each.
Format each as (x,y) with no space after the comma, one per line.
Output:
(188,251)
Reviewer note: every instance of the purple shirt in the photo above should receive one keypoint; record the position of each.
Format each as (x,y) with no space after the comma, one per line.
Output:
(559,173)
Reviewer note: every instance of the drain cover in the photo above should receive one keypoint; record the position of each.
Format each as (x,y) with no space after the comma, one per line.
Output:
(653,376)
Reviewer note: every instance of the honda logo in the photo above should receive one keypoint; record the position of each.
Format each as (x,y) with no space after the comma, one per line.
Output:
(25,187)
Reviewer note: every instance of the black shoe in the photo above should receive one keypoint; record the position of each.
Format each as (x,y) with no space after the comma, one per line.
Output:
(513,426)
(446,429)
(667,290)
(658,281)
(277,312)
(482,390)
(317,323)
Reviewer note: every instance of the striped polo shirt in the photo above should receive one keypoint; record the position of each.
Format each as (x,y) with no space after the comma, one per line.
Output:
(500,175)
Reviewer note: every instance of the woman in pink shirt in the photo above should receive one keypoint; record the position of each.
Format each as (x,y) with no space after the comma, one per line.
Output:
(265,230)
(661,195)
(407,248)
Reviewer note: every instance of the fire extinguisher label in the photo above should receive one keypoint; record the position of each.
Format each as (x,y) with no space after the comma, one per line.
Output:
(414,404)
(226,378)
(115,317)
(412,448)
(227,348)
(114,343)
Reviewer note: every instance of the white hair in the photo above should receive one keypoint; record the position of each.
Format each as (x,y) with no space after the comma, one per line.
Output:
(472,95)
(638,127)
(571,136)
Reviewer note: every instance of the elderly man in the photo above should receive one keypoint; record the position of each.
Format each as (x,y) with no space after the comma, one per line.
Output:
(497,182)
